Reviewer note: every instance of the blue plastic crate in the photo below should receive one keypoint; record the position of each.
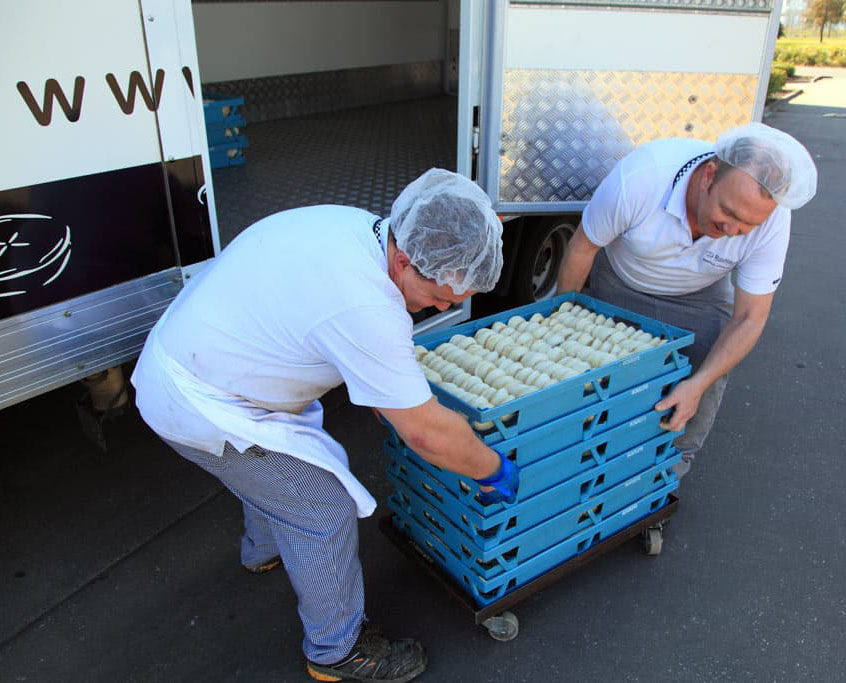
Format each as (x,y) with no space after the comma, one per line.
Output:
(539,473)
(231,153)
(575,393)
(222,109)
(490,529)
(582,425)
(488,590)
(489,560)
(222,132)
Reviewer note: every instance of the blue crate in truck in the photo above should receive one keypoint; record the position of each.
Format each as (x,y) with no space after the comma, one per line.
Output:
(230,153)
(489,556)
(222,109)
(591,387)
(219,133)
(488,590)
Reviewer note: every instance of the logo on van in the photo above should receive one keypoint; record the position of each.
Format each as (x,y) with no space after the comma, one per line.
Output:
(34,251)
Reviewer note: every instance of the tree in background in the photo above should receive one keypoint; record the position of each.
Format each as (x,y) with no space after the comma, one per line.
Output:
(824,13)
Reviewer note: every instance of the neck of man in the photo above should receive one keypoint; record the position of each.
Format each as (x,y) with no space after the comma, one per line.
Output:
(691,201)
(390,255)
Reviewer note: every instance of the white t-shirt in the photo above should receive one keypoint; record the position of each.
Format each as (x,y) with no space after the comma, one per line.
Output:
(639,216)
(296,305)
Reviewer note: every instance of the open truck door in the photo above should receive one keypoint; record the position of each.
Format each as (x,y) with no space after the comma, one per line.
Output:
(104,208)
(555,93)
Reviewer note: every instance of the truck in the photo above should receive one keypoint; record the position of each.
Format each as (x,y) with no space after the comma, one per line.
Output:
(109,201)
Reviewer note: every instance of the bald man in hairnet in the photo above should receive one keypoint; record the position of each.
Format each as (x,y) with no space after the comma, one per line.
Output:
(695,234)
(299,303)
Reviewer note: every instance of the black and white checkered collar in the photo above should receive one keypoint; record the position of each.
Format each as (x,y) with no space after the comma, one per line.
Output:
(689,165)
(380,230)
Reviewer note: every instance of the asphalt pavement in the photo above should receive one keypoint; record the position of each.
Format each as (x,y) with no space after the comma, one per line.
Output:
(124,567)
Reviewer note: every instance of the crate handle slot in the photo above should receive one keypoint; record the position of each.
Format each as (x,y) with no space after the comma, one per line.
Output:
(432,492)
(437,552)
(511,555)
(486,533)
(504,431)
(435,523)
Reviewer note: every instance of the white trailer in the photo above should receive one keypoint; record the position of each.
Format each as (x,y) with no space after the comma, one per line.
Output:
(107,197)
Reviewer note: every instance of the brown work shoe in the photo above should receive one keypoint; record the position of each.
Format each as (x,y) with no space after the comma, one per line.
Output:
(266,566)
(374,658)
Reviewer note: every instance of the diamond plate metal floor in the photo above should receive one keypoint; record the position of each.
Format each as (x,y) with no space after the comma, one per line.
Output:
(359,157)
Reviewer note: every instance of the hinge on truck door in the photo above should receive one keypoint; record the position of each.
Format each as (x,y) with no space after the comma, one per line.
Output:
(474,146)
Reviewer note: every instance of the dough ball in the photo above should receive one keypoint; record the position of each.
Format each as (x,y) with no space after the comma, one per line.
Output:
(501,381)
(540,346)
(460,341)
(432,376)
(517,353)
(501,396)
(524,338)
(503,342)
(557,354)
(522,374)
(481,335)
(491,340)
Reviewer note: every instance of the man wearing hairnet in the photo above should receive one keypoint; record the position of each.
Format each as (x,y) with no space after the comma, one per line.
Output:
(299,303)
(695,234)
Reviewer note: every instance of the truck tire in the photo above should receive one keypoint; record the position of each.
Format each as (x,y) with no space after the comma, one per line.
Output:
(541,252)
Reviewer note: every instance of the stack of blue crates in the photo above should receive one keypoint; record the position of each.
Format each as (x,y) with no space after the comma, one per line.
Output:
(593,460)
(224,130)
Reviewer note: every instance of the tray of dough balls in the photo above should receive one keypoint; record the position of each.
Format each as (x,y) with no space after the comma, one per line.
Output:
(493,555)
(486,590)
(545,463)
(519,369)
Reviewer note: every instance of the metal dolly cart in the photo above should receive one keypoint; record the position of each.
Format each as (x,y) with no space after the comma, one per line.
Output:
(502,624)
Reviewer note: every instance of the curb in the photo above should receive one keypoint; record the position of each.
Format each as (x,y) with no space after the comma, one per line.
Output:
(773,105)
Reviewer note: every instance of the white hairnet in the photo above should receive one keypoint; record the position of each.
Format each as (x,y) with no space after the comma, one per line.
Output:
(779,162)
(445,225)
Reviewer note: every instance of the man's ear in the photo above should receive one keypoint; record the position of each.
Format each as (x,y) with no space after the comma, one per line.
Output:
(401,260)
(708,175)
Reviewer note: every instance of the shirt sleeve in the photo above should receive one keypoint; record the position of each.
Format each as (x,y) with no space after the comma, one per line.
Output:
(371,348)
(761,271)
(605,217)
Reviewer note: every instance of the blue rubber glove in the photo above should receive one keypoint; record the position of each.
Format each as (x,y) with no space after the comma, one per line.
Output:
(505,482)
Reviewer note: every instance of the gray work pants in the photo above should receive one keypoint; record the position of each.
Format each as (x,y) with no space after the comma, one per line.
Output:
(705,313)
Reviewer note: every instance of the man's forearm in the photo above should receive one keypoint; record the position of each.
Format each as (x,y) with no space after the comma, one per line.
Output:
(732,346)
(454,446)
(577,262)
(443,438)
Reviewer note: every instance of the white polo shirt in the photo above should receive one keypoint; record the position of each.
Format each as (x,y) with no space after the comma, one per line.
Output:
(638,214)
(297,304)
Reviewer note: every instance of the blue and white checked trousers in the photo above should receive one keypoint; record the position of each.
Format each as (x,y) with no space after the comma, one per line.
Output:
(705,313)
(302,513)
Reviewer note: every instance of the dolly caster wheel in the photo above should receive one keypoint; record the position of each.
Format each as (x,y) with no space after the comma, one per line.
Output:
(504,627)
(653,539)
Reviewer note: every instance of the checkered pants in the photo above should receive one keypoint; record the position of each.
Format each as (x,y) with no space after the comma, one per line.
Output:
(303,514)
